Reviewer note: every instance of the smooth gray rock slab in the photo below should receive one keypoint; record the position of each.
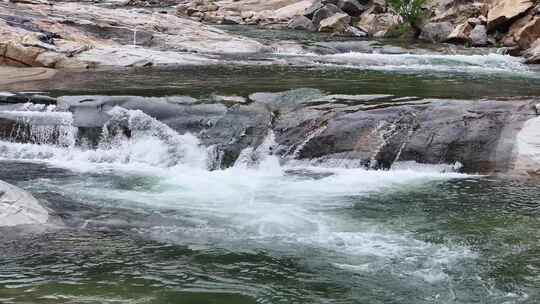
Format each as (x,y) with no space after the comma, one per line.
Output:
(18,207)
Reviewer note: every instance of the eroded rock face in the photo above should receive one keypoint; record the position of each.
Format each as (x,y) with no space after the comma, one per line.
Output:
(528,33)
(18,207)
(82,36)
(532,55)
(503,11)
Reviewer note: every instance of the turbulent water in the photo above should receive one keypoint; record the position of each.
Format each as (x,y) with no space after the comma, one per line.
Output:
(146,218)
(146,221)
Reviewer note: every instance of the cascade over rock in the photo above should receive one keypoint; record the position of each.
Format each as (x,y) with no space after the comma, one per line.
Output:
(373,131)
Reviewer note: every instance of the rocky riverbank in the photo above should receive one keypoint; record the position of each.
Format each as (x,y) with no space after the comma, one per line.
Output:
(80,35)
(509,24)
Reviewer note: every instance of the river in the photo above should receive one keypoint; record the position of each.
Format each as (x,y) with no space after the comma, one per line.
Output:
(149,219)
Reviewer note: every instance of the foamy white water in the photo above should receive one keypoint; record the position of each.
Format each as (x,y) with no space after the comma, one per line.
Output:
(482,64)
(258,202)
(151,144)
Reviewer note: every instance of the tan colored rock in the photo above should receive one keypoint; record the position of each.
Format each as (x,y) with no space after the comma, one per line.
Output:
(49,59)
(529,33)
(532,55)
(79,32)
(377,23)
(289,11)
(11,75)
(22,55)
(337,23)
(503,11)
(461,33)
(459,12)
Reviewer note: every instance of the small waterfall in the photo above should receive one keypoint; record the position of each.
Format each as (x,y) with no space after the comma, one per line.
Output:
(214,157)
(311,135)
(130,137)
(138,137)
(262,157)
(383,131)
(41,125)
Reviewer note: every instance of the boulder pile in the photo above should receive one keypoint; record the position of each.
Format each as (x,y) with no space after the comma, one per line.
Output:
(512,24)
(340,17)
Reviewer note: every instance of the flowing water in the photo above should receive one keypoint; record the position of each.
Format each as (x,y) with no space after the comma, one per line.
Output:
(145,219)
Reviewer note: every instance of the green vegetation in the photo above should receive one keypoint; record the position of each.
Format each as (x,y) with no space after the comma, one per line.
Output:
(411,11)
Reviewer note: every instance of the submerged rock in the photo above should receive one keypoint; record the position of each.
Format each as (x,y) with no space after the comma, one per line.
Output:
(18,207)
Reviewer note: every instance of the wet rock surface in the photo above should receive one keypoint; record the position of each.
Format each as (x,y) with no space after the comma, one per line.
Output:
(18,207)
(374,131)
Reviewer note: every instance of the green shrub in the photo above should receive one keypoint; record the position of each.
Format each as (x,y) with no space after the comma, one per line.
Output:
(411,11)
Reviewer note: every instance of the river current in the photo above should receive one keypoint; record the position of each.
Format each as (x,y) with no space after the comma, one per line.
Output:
(148,219)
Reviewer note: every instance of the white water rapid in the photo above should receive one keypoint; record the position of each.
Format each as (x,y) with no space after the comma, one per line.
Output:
(258,202)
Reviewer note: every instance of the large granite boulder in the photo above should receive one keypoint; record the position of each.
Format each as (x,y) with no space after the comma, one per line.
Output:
(461,33)
(503,12)
(436,31)
(326,11)
(337,23)
(18,207)
(301,23)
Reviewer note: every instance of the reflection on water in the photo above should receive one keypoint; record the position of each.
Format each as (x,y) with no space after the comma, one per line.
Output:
(244,80)
(137,238)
